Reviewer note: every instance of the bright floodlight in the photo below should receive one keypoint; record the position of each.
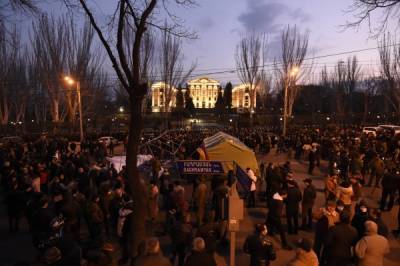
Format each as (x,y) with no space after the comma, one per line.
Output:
(69,80)
(294,71)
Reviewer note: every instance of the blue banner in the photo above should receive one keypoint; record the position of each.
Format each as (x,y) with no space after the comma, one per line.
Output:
(242,178)
(200,167)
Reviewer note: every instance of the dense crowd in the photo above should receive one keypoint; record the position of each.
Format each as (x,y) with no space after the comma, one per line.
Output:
(79,208)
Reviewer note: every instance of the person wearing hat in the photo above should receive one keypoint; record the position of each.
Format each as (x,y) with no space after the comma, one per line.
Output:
(307,204)
(371,248)
(259,247)
(305,256)
(293,199)
(340,240)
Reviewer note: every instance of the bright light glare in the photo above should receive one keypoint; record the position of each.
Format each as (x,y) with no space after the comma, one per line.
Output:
(294,71)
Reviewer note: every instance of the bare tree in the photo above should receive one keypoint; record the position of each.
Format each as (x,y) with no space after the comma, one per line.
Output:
(389,54)
(352,77)
(50,46)
(364,9)
(250,57)
(127,66)
(289,70)
(9,54)
(9,7)
(338,83)
(369,90)
(84,64)
(171,68)
(264,87)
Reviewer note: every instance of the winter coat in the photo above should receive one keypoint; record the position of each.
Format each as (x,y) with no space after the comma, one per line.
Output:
(372,247)
(305,259)
(344,194)
(152,260)
(293,199)
(340,239)
(200,258)
(260,249)
(309,196)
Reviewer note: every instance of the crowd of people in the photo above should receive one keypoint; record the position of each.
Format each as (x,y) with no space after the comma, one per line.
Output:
(78,206)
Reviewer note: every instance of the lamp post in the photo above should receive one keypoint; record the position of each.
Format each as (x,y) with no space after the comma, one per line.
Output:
(292,74)
(70,81)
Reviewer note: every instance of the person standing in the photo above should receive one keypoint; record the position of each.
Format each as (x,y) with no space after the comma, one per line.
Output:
(292,207)
(339,242)
(326,218)
(252,195)
(344,193)
(274,217)
(153,255)
(201,196)
(259,247)
(305,256)
(311,161)
(377,167)
(199,256)
(372,247)
(307,204)
(389,181)
(95,219)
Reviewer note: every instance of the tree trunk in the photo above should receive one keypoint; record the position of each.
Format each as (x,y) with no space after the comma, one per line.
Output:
(137,186)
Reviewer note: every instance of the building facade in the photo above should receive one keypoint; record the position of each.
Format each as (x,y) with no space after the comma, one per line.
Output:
(241,98)
(158,97)
(204,92)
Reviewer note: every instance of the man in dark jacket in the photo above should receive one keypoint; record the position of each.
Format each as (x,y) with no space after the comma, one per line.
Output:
(274,217)
(341,238)
(292,207)
(199,256)
(181,236)
(311,161)
(41,221)
(389,181)
(259,247)
(307,204)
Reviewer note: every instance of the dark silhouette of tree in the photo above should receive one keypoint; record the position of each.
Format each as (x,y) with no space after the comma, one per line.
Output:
(126,48)
(228,97)
(180,101)
(364,9)
(219,104)
(189,107)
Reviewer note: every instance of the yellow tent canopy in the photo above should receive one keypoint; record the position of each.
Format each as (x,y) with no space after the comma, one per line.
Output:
(226,148)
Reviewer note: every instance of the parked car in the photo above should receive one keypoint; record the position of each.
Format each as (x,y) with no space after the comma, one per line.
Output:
(370,131)
(393,129)
(107,140)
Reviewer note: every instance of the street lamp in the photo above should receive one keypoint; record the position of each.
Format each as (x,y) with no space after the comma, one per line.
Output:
(292,76)
(71,81)
(121,109)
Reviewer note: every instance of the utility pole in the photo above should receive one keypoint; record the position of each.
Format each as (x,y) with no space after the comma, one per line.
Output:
(285,106)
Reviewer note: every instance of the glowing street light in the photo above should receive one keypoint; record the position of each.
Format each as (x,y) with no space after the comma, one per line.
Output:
(121,109)
(294,71)
(70,81)
(288,80)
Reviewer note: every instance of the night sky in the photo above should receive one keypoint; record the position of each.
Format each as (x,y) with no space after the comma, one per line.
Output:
(220,23)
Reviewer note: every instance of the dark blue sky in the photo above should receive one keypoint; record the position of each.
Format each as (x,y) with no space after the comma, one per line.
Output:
(220,23)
